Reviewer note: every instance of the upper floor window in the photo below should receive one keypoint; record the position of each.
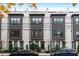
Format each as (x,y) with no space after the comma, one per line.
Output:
(15,20)
(77,34)
(36,20)
(58,20)
(77,20)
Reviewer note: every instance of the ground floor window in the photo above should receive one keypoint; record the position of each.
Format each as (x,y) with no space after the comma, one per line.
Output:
(0,45)
(74,44)
(10,46)
(63,44)
(26,47)
(30,42)
(53,44)
(37,43)
(21,44)
(58,44)
(15,44)
(42,44)
(15,34)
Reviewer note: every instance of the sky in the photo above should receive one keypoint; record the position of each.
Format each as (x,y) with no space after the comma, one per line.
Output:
(50,6)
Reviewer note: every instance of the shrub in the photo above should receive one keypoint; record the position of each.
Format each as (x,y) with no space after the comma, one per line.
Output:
(35,47)
(15,49)
(47,51)
(55,48)
(38,49)
(5,51)
(78,48)
(32,46)
(10,47)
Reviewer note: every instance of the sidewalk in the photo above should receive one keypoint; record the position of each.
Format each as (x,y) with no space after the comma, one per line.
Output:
(4,54)
(44,54)
(40,54)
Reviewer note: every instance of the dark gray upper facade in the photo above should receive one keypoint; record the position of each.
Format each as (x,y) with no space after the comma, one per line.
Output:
(75,27)
(0,27)
(0,32)
(36,27)
(58,29)
(15,27)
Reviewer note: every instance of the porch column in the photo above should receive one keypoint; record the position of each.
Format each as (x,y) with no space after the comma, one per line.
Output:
(46,30)
(26,30)
(68,30)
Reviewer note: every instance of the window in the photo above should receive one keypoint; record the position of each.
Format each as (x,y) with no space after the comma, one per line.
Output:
(21,44)
(31,42)
(37,33)
(73,44)
(77,20)
(15,33)
(61,20)
(10,45)
(37,43)
(40,20)
(15,44)
(63,44)
(58,21)
(58,33)
(0,45)
(55,20)
(77,34)
(42,45)
(33,19)
(37,20)
(15,20)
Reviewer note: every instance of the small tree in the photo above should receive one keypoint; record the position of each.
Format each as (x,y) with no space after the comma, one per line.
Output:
(57,47)
(35,47)
(32,46)
(15,49)
(10,47)
(78,48)
(26,47)
(38,49)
